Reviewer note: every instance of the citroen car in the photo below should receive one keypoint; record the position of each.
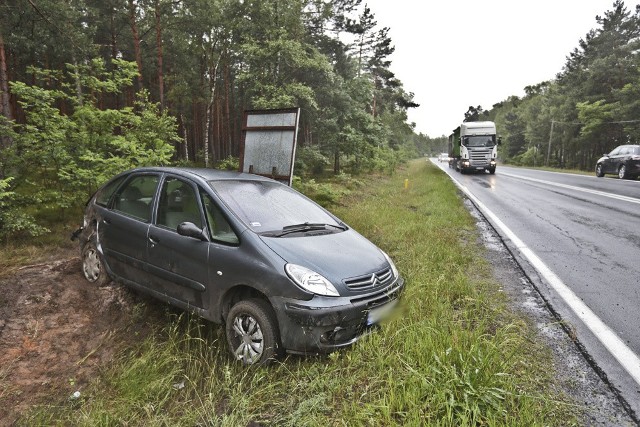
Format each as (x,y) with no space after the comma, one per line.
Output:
(281,273)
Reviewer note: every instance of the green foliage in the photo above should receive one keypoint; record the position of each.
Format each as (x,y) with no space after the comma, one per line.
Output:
(230,163)
(310,161)
(14,221)
(59,159)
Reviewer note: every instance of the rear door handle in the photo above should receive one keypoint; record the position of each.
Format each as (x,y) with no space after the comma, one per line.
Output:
(154,240)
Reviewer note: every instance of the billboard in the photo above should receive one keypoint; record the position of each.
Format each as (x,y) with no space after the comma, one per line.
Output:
(269,143)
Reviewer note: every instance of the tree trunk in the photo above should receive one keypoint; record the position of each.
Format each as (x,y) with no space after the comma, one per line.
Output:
(136,40)
(159,46)
(214,71)
(184,137)
(5,105)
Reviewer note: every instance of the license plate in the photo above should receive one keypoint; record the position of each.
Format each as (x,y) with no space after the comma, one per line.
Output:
(376,315)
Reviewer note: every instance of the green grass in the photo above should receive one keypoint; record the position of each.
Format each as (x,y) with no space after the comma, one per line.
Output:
(453,355)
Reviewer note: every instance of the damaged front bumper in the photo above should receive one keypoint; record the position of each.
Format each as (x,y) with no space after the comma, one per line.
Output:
(325,324)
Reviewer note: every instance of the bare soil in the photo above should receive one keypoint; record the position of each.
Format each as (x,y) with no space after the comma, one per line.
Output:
(57,331)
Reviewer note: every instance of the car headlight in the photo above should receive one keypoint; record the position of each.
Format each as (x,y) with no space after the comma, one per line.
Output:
(310,280)
(394,270)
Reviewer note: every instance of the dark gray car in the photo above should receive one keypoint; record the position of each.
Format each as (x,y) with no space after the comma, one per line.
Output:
(623,161)
(281,272)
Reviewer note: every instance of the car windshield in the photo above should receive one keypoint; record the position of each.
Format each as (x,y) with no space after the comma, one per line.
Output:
(480,141)
(268,206)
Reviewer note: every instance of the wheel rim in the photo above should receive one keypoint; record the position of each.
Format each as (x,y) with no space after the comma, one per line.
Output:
(91,265)
(622,172)
(599,169)
(249,342)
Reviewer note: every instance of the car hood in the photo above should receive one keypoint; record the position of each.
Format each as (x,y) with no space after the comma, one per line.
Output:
(336,256)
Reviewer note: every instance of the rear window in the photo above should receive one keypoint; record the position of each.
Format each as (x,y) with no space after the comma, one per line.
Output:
(636,150)
(269,206)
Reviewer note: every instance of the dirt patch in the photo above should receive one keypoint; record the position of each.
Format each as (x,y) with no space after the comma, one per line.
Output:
(57,331)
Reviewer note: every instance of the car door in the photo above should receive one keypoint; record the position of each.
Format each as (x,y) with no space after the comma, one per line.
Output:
(124,225)
(618,158)
(609,163)
(178,264)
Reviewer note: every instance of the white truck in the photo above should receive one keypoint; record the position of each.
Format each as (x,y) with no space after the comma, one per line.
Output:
(473,146)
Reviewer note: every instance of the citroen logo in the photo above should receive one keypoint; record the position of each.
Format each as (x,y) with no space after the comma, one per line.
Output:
(374,280)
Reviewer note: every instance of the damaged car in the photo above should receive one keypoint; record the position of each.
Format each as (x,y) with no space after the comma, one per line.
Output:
(281,273)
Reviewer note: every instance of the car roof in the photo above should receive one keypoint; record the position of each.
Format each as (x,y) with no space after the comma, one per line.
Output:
(204,173)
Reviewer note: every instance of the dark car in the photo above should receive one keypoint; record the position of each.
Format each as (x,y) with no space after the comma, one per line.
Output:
(281,272)
(623,161)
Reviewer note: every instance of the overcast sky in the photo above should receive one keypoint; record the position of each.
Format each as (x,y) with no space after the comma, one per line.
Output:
(455,53)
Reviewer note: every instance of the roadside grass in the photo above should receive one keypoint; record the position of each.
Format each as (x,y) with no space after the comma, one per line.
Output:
(454,354)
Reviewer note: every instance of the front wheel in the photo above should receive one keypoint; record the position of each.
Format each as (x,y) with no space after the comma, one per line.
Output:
(599,170)
(93,266)
(252,332)
(622,172)
(492,171)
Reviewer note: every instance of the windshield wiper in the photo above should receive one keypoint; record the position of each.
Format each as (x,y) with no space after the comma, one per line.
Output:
(307,226)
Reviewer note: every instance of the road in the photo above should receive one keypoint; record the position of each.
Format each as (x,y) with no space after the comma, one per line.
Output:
(578,237)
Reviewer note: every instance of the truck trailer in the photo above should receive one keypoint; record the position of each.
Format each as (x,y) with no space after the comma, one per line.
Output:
(473,146)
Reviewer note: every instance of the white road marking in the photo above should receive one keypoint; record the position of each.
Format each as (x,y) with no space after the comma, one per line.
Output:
(572,187)
(618,349)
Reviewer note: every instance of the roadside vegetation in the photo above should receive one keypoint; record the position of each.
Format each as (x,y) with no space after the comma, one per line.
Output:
(454,354)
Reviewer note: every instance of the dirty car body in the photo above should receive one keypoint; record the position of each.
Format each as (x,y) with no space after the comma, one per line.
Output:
(281,272)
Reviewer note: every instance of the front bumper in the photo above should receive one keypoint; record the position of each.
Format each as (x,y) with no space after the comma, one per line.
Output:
(325,324)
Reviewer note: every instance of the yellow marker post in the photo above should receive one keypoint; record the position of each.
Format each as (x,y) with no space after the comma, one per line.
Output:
(406,183)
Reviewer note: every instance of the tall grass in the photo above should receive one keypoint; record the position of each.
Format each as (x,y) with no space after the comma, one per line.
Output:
(453,355)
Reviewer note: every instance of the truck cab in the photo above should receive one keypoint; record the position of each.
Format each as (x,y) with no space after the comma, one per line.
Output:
(474,147)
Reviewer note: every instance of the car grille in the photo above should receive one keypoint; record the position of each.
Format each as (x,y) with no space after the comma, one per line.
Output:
(381,278)
(380,298)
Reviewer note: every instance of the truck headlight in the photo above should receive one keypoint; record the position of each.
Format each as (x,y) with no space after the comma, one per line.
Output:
(310,280)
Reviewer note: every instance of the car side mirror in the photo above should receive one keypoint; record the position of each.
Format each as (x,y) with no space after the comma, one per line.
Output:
(499,140)
(189,229)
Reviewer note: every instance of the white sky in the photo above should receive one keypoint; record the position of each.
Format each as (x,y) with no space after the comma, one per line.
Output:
(455,53)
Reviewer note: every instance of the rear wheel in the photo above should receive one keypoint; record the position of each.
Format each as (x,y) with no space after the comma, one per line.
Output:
(622,172)
(252,332)
(599,170)
(93,266)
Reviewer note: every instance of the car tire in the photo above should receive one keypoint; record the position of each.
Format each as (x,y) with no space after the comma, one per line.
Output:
(492,171)
(599,170)
(93,265)
(252,332)
(622,172)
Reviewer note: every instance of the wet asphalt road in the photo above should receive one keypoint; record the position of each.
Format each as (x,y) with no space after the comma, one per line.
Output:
(586,230)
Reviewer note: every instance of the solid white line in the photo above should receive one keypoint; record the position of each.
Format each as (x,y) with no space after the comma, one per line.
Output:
(618,349)
(571,187)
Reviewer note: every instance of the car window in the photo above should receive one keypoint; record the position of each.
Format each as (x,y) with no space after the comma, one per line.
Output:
(219,228)
(615,152)
(266,206)
(178,203)
(104,194)
(635,150)
(135,197)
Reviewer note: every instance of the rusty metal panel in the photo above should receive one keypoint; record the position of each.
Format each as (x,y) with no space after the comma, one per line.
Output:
(269,143)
